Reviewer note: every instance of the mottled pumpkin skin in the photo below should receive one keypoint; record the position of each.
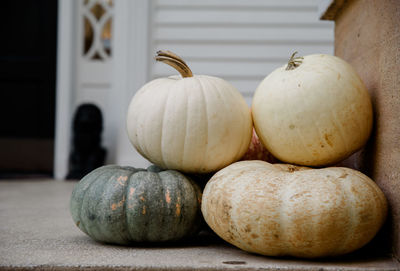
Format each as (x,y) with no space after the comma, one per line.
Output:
(285,210)
(122,205)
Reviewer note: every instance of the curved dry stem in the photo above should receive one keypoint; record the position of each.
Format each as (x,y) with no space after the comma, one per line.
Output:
(294,62)
(170,54)
(174,61)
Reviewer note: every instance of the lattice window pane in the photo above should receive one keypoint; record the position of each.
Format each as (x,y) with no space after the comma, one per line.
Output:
(97,22)
(106,37)
(89,35)
(98,11)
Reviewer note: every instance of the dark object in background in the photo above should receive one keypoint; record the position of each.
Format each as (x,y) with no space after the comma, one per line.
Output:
(87,153)
(28,53)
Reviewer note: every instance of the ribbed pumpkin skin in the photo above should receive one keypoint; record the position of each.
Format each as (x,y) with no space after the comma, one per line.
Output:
(278,210)
(314,115)
(121,205)
(197,124)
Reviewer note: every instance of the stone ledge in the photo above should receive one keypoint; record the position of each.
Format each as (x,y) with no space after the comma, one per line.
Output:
(328,9)
(37,233)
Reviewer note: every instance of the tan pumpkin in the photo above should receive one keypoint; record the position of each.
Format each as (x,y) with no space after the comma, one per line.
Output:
(314,111)
(281,209)
(191,123)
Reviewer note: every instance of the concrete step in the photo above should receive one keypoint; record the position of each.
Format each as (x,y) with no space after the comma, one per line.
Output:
(37,232)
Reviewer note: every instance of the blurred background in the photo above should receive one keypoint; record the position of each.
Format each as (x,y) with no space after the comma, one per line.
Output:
(59,55)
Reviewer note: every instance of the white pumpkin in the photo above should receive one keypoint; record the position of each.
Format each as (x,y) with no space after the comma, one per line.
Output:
(315,111)
(281,209)
(192,123)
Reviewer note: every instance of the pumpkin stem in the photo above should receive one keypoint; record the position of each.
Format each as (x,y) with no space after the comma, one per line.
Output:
(294,62)
(174,61)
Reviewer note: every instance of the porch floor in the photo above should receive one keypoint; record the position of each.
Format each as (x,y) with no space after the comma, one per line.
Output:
(37,232)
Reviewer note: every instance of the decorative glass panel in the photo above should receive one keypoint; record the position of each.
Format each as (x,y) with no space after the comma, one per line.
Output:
(97,23)
(106,37)
(88,41)
(98,11)
(96,56)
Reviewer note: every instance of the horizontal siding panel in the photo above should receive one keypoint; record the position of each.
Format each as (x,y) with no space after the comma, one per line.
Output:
(234,16)
(242,34)
(221,69)
(326,25)
(246,87)
(249,52)
(239,41)
(248,98)
(237,3)
(295,43)
(242,83)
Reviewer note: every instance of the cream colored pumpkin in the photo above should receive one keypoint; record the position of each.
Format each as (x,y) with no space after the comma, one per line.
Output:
(192,123)
(280,209)
(316,113)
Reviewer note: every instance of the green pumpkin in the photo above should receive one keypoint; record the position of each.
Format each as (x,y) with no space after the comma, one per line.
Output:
(121,205)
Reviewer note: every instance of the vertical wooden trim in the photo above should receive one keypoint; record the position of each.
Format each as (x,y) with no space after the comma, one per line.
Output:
(120,75)
(151,37)
(64,86)
(130,66)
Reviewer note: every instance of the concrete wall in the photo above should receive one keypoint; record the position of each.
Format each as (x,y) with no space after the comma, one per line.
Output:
(367,36)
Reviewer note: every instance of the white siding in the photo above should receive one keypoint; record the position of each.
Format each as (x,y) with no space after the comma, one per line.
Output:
(240,41)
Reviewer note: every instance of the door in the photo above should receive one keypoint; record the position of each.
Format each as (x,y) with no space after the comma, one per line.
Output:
(27,86)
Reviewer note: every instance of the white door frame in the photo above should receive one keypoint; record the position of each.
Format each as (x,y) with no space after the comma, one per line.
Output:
(130,71)
(65,85)
(131,68)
